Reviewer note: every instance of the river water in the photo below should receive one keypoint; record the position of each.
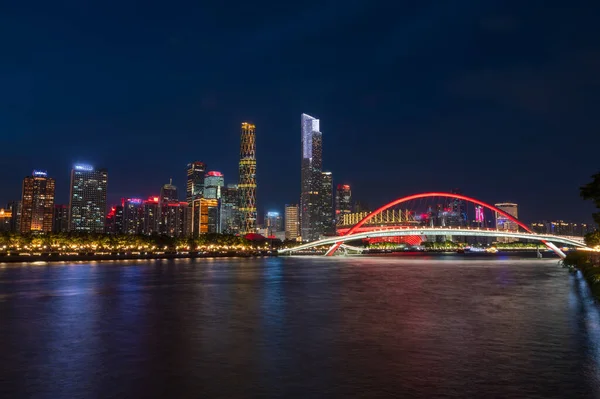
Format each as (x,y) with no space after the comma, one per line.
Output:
(298,327)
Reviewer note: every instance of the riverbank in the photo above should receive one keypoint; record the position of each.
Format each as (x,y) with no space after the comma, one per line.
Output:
(57,257)
(588,263)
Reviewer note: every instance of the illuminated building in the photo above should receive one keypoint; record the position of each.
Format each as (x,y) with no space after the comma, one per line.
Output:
(455,211)
(205,216)
(5,219)
(37,203)
(172,214)
(114,220)
(213,184)
(229,214)
(247,183)
(310,202)
(503,223)
(61,219)
(343,201)
(560,227)
(133,215)
(87,203)
(292,225)
(150,223)
(479,216)
(326,204)
(273,223)
(195,181)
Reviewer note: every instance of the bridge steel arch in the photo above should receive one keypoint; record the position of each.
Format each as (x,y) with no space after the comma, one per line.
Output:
(371,215)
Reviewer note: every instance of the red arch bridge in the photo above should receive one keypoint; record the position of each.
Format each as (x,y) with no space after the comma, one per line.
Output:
(436,214)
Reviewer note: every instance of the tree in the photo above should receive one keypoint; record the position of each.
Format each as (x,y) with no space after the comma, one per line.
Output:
(591,191)
(593,239)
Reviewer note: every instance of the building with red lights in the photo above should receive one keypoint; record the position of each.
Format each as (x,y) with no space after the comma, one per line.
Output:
(213,184)
(343,201)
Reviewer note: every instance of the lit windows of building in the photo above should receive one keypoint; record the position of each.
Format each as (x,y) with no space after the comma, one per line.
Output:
(247,182)
(61,219)
(133,215)
(5,219)
(326,208)
(195,181)
(292,225)
(87,206)
(213,184)
(311,167)
(114,220)
(273,223)
(229,214)
(503,222)
(205,216)
(343,200)
(151,223)
(37,203)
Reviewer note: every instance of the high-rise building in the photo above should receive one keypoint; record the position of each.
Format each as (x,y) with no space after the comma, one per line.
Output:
(5,219)
(87,204)
(247,183)
(560,227)
(37,203)
(133,215)
(504,223)
(310,201)
(114,220)
(195,181)
(343,201)
(205,216)
(326,199)
(172,214)
(292,224)
(61,219)
(229,214)
(273,223)
(213,184)
(151,224)
(15,220)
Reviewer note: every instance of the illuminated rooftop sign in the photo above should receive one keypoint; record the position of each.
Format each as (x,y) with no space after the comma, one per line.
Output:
(86,168)
(40,173)
(136,201)
(214,173)
(272,214)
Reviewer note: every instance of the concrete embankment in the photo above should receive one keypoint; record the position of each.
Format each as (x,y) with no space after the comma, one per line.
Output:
(588,263)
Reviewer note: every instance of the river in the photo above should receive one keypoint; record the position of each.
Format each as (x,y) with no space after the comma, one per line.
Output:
(298,327)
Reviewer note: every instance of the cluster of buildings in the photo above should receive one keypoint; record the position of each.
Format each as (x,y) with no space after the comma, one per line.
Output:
(211,206)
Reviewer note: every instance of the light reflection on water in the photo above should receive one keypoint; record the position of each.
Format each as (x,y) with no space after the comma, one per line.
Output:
(299,327)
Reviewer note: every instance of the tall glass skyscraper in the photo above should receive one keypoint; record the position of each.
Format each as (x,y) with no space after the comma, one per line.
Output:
(213,184)
(37,203)
(87,206)
(247,184)
(229,213)
(195,181)
(311,167)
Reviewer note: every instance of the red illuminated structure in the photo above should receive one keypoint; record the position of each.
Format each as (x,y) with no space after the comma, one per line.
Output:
(357,226)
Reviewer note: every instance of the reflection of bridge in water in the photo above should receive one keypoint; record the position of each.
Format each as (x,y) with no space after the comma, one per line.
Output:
(419,221)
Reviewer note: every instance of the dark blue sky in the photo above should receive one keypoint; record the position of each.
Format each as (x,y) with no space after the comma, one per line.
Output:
(497,98)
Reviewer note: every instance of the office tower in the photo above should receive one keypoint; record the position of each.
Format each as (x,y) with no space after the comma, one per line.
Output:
(273,223)
(503,223)
(195,181)
(247,183)
(171,212)
(310,203)
(133,215)
(61,219)
(205,216)
(213,185)
(292,224)
(326,200)
(150,223)
(87,203)
(229,214)
(343,201)
(114,220)
(5,219)
(15,219)
(37,203)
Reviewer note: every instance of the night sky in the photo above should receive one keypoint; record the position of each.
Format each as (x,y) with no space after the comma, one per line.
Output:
(497,98)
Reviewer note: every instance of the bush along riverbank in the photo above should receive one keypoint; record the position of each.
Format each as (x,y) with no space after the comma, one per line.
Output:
(588,263)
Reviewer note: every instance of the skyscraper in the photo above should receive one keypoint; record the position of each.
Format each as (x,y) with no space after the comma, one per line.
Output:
(213,183)
(291,222)
(310,202)
(195,181)
(15,215)
(247,184)
(205,216)
(87,206)
(37,203)
(114,220)
(172,214)
(133,215)
(343,201)
(326,204)
(504,223)
(61,219)
(151,224)
(229,214)
(273,223)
